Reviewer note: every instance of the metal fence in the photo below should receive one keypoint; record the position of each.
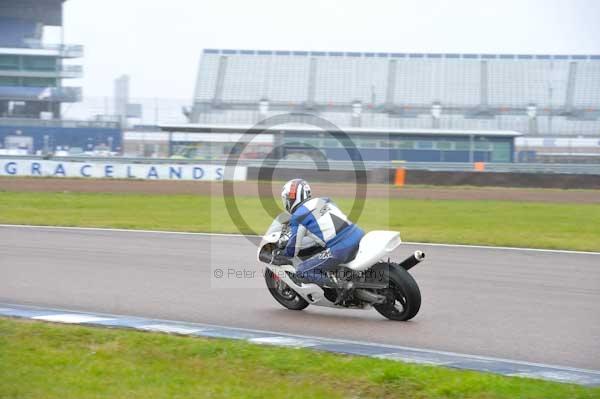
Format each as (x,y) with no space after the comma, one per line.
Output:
(56,123)
(153,111)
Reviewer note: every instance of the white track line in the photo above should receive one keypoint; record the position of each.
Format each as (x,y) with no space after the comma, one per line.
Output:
(27,226)
(109,229)
(202,326)
(562,251)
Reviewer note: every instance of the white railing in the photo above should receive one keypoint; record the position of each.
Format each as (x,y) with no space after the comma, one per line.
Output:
(55,123)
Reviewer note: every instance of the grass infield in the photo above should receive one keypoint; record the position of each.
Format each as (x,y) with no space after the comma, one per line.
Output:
(502,223)
(43,360)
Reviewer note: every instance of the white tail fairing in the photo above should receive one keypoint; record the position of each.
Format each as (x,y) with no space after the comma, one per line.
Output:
(374,246)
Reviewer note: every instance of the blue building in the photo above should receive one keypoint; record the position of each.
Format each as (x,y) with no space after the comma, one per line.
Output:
(33,136)
(411,145)
(32,84)
(32,72)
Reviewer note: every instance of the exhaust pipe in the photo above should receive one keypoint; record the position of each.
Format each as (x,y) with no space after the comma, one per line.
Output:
(412,260)
(369,296)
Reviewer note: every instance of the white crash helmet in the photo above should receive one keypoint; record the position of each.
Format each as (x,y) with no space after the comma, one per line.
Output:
(294,193)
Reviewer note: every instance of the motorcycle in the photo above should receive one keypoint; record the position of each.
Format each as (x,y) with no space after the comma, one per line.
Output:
(375,282)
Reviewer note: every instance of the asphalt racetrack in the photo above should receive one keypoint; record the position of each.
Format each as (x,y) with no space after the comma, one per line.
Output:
(535,306)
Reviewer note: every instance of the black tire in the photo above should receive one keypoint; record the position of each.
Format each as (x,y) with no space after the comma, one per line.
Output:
(291,301)
(403,290)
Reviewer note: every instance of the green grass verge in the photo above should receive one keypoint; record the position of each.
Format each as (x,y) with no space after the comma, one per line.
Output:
(42,360)
(505,223)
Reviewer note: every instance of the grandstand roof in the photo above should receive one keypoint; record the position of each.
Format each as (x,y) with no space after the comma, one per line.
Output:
(405,55)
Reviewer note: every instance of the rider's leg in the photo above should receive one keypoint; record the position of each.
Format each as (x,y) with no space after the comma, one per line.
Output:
(345,250)
(342,250)
(314,269)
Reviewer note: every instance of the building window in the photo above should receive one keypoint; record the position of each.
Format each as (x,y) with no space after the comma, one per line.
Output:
(39,82)
(462,146)
(366,143)
(444,145)
(39,63)
(501,152)
(483,146)
(385,144)
(405,145)
(9,62)
(332,143)
(9,81)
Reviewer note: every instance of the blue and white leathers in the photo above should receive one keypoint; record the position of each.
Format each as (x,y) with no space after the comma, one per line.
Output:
(318,222)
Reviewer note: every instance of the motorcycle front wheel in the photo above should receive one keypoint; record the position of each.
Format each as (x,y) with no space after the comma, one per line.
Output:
(403,295)
(283,294)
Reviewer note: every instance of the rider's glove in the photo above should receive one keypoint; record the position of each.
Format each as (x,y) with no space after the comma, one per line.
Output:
(282,243)
(283,239)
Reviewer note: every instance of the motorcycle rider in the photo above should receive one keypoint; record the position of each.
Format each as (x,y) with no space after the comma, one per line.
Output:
(320,235)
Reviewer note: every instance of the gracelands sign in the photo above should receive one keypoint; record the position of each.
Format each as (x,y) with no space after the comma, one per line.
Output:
(116,170)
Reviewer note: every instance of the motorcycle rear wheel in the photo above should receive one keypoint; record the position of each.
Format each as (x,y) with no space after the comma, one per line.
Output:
(287,297)
(404,296)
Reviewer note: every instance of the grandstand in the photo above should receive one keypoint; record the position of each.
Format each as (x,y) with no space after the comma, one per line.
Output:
(537,95)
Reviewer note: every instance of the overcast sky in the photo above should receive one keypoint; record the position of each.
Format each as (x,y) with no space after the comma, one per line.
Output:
(159,43)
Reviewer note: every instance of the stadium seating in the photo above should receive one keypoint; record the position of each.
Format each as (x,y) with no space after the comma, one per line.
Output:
(587,85)
(473,91)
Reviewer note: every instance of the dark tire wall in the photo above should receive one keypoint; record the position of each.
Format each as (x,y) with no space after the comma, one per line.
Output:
(438,178)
